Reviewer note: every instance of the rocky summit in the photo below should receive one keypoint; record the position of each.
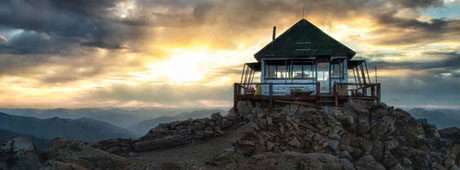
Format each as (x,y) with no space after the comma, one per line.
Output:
(255,136)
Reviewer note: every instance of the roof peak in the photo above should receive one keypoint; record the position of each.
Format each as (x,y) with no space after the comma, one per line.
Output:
(304,39)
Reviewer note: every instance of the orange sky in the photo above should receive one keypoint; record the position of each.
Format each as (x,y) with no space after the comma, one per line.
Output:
(189,53)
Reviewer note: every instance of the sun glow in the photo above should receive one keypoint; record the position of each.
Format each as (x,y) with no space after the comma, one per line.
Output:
(193,65)
(183,66)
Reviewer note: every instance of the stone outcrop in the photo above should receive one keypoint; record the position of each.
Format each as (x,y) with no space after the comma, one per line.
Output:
(173,134)
(370,136)
(64,154)
(19,154)
(289,160)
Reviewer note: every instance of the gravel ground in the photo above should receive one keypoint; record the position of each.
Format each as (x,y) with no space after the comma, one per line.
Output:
(192,155)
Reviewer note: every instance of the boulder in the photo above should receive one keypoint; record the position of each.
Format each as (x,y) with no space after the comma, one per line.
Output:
(77,154)
(164,142)
(18,154)
(368,162)
(300,161)
(57,165)
(452,133)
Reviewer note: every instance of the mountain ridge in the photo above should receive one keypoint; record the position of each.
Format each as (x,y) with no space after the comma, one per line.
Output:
(81,129)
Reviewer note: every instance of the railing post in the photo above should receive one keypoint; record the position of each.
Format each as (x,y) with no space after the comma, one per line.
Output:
(270,87)
(336,98)
(235,97)
(373,91)
(318,91)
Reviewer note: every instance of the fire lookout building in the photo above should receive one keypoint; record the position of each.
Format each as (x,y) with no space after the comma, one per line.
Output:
(304,64)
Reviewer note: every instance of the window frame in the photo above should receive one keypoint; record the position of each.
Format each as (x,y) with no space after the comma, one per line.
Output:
(341,69)
(289,65)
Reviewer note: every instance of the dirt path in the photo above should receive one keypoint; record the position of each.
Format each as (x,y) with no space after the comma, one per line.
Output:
(189,155)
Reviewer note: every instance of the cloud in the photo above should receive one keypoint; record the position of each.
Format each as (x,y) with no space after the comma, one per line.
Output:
(64,44)
(440,60)
(124,23)
(166,95)
(416,32)
(71,23)
(427,90)
(3,39)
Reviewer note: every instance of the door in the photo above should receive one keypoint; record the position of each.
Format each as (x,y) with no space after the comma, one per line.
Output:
(323,77)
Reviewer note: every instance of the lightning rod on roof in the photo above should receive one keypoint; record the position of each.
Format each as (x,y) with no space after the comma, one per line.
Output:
(303,10)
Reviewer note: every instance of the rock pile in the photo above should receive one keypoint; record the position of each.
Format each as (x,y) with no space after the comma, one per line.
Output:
(173,134)
(64,154)
(19,153)
(364,135)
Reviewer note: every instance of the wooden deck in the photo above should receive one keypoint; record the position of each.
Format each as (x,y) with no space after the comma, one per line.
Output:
(340,94)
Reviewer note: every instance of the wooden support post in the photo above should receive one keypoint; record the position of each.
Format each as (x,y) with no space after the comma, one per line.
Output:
(378,93)
(364,81)
(354,76)
(368,77)
(336,95)
(318,91)
(248,79)
(373,94)
(363,74)
(245,83)
(375,74)
(242,74)
(235,97)
(252,77)
(358,76)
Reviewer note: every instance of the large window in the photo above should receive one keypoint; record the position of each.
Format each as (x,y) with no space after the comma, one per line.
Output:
(289,70)
(302,71)
(308,71)
(297,71)
(337,70)
(277,71)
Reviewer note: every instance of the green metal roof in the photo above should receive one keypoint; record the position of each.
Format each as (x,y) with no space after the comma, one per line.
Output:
(304,40)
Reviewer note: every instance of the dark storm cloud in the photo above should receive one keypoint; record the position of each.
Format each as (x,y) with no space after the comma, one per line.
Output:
(242,16)
(65,23)
(419,3)
(434,30)
(91,23)
(442,62)
(31,42)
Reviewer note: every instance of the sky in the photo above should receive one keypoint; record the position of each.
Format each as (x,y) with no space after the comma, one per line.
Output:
(188,53)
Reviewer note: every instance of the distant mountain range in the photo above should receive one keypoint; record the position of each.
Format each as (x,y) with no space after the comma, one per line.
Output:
(143,127)
(442,118)
(80,129)
(122,117)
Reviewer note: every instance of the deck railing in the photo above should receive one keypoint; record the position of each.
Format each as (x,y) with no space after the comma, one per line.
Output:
(370,91)
(266,89)
(339,91)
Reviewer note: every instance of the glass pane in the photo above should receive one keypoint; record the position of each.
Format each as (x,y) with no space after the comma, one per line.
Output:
(337,70)
(323,75)
(281,71)
(323,71)
(308,71)
(271,71)
(297,71)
